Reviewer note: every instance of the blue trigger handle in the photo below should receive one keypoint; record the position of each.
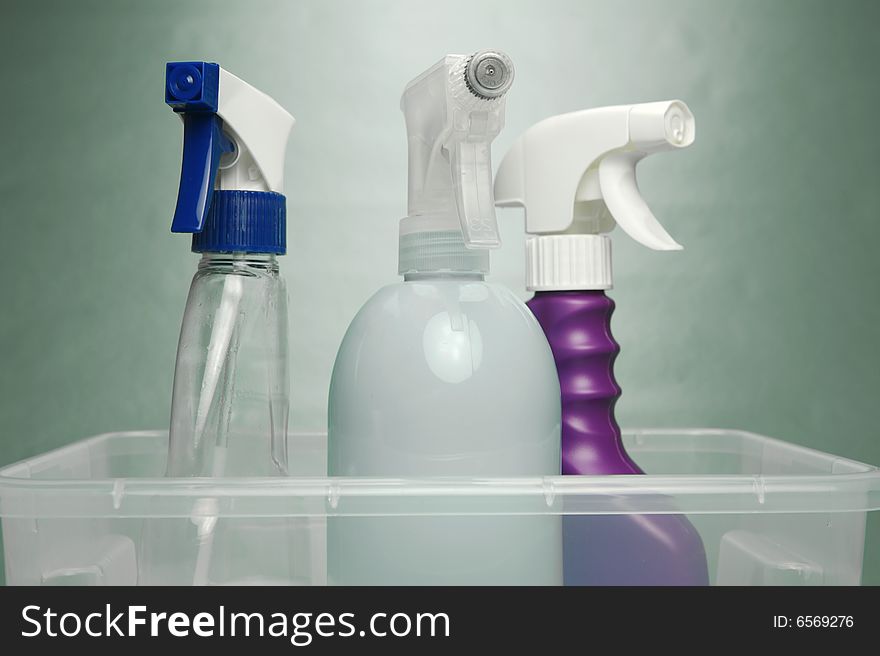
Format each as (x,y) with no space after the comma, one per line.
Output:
(203,144)
(192,89)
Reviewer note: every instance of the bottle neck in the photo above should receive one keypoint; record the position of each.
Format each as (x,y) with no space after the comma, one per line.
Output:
(440,253)
(452,276)
(261,262)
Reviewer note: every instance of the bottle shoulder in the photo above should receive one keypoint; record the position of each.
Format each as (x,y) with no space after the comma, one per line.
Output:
(414,297)
(445,326)
(256,284)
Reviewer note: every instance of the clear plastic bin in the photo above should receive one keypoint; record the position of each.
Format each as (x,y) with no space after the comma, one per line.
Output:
(769,513)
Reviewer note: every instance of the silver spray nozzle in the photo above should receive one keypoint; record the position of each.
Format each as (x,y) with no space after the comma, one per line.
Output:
(489,74)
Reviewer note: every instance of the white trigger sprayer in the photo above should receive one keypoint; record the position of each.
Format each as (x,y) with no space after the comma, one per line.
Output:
(575,175)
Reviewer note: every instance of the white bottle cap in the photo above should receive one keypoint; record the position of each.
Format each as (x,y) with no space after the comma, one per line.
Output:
(567,262)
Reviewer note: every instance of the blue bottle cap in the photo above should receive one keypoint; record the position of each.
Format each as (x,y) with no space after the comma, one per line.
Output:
(244,222)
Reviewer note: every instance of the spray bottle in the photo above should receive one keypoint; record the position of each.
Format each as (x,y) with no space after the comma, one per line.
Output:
(444,374)
(230,401)
(575,175)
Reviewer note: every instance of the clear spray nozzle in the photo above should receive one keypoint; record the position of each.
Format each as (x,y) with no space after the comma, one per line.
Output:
(453,111)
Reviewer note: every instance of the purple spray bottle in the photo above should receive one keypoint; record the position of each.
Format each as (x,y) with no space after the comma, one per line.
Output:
(575,176)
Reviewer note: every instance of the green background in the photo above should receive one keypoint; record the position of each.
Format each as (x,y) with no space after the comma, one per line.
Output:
(767,321)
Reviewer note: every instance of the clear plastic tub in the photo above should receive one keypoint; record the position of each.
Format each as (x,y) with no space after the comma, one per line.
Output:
(769,513)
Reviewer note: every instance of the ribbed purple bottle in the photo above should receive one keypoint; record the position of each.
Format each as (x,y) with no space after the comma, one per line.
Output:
(575,176)
(606,549)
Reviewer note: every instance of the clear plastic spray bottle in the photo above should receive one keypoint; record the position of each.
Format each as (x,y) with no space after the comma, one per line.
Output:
(230,402)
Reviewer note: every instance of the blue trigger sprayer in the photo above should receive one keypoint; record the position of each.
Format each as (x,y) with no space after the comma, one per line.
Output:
(230,200)
(229,408)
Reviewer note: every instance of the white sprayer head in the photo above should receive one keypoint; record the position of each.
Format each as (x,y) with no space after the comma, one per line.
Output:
(575,175)
(453,111)
(260,128)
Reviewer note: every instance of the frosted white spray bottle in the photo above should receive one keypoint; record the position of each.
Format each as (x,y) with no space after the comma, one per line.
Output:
(575,175)
(230,401)
(444,374)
